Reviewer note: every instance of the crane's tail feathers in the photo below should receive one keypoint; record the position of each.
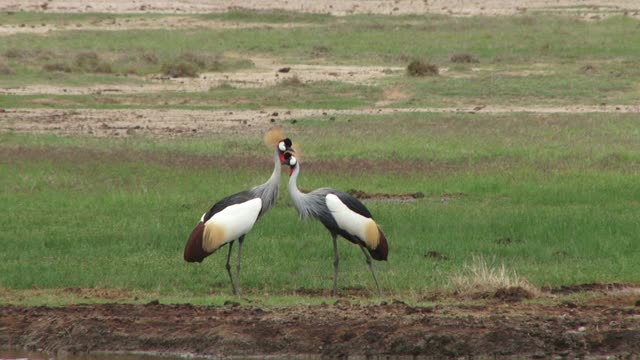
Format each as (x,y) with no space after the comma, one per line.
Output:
(382,250)
(194,252)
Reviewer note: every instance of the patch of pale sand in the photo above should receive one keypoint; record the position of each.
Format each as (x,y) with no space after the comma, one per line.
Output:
(166,23)
(336,7)
(259,77)
(172,122)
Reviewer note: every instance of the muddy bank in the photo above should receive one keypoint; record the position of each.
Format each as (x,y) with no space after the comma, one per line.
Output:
(336,329)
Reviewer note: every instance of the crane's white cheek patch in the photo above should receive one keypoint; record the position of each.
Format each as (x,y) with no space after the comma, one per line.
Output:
(229,224)
(355,224)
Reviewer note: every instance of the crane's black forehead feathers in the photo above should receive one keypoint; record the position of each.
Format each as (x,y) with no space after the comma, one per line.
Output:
(287,142)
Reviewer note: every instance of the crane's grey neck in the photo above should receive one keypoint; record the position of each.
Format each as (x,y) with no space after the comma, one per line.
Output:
(307,205)
(268,192)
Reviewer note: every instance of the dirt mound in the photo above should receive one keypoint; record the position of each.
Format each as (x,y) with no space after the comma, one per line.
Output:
(338,329)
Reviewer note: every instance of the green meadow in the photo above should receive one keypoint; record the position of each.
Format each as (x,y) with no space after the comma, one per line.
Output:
(552,197)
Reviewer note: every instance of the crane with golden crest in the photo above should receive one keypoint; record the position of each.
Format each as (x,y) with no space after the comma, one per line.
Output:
(231,218)
(341,214)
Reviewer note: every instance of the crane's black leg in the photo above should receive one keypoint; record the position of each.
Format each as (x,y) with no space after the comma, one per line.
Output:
(240,241)
(228,267)
(336,262)
(366,254)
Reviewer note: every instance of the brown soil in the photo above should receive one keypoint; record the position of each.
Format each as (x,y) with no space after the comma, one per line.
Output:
(502,326)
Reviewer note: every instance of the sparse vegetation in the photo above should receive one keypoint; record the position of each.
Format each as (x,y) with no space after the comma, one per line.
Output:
(91,62)
(479,277)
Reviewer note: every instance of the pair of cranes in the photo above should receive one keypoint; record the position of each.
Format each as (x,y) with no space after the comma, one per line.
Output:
(231,218)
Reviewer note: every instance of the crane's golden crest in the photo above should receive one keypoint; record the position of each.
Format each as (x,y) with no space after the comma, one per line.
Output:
(273,135)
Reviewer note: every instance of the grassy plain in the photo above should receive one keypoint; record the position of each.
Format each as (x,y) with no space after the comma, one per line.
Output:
(553,197)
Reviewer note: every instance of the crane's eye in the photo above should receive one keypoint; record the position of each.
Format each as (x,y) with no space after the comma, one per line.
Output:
(293,161)
(281,146)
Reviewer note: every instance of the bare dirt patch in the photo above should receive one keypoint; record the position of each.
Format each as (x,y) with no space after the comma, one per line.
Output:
(172,122)
(503,326)
(346,7)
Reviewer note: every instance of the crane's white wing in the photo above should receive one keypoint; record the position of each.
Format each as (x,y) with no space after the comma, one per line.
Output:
(231,223)
(355,224)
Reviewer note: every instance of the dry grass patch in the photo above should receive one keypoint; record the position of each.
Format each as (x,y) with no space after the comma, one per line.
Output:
(91,62)
(481,279)
(56,66)
(422,68)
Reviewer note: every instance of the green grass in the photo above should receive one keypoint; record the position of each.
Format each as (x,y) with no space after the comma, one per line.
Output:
(81,213)
(376,39)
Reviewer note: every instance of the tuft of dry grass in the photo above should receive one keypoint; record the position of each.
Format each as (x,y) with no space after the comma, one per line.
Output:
(480,277)
(422,68)
(16,53)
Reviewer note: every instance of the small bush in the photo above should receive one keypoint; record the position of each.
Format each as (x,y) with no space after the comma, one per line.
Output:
(421,68)
(91,62)
(463,58)
(56,66)
(15,53)
(180,69)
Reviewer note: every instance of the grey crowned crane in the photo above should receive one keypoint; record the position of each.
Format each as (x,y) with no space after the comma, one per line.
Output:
(233,217)
(342,215)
